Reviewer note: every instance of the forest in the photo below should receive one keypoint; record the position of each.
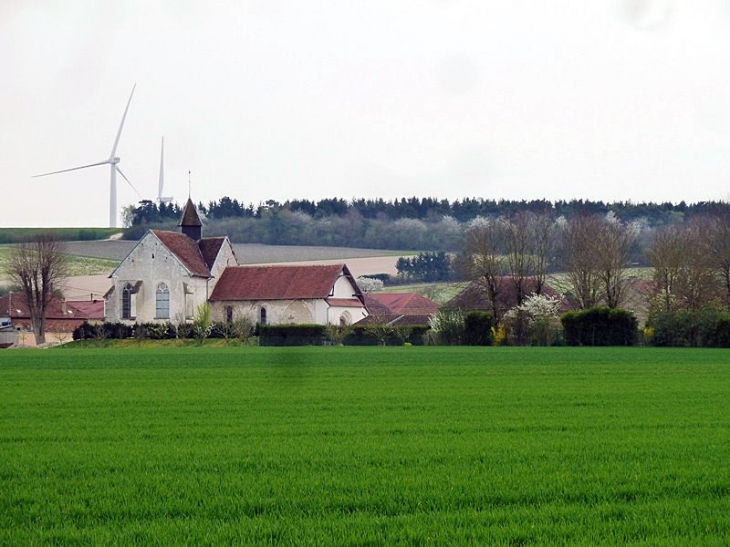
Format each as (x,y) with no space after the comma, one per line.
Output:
(422,224)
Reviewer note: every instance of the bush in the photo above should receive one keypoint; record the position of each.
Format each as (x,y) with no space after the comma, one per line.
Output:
(708,327)
(377,335)
(600,326)
(291,335)
(478,329)
(448,326)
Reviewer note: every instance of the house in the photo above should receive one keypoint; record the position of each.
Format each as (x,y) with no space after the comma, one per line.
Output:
(62,316)
(474,296)
(321,294)
(408,308)
(168,275)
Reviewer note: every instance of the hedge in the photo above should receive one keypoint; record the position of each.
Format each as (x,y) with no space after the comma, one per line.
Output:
(600,326)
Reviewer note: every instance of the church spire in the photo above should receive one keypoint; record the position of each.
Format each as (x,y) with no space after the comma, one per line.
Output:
(190,222)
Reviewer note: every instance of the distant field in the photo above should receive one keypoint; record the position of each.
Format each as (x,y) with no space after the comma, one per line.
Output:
(77,265)
(246,253)
(16,235)
(365,446)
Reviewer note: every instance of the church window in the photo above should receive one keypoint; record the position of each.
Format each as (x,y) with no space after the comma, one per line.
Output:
(262,316)
(162,302)
(127,302)
(229,314)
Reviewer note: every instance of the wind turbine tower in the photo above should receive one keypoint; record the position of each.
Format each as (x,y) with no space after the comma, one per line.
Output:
(113,163)
(160,198)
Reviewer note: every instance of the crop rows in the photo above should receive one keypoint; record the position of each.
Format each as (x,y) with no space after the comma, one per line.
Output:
(365,446)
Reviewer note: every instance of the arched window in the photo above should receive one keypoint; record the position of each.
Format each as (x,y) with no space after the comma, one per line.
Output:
(262,316)
(127,291)
(229,314)
(162,302)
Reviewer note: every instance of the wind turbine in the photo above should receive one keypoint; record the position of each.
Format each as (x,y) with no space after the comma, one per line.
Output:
(113,163)
(160,199)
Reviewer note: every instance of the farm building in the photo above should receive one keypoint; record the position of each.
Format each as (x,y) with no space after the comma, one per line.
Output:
(62,316)
(168,275)
(408,308)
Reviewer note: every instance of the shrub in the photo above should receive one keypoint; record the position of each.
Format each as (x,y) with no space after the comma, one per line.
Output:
(448,326)
(291,335)
(600,326)
(709,327)
(477,329)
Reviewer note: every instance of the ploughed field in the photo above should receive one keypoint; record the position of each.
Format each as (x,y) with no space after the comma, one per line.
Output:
(365,446)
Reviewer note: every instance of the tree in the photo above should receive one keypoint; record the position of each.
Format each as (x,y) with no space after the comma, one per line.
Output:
(612,245)
(579,254)
(483,260)
(38,267)
(666,254)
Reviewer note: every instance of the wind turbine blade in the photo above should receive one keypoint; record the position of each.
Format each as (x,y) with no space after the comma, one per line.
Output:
(119,133)
(125,178)
(72,169)
(162,170)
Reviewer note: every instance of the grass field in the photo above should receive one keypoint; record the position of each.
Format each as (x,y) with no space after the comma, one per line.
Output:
(365,446)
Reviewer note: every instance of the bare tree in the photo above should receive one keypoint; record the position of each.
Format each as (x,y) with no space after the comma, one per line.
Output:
(611,249)
(484,261)
(666,254)
(718,232)
(528,239)
(686,264)
(579,251)
(38,267)
(698,284)
(518,243)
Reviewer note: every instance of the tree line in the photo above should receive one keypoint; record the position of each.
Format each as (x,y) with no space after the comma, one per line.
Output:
(407,224)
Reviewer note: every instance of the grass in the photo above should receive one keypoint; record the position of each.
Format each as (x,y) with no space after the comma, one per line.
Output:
(365,446)
(17,235)
(77,265)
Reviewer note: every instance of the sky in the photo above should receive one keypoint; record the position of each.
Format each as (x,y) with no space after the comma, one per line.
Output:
(612,100)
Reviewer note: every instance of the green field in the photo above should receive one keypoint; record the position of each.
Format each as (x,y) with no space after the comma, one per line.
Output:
(365,446)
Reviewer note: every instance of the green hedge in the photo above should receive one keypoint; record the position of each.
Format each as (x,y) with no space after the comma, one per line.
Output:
(291,335)
(378,335)
(708,328)
(600,326)
(477,329)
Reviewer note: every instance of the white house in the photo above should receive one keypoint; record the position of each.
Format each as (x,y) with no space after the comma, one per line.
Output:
(326,294)
(168,275)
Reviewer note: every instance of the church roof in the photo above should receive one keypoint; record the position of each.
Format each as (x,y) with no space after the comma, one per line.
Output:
(186,250)
(209,248)
(278,282)
(189,215)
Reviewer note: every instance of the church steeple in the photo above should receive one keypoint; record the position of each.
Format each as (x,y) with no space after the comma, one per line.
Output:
(190,223)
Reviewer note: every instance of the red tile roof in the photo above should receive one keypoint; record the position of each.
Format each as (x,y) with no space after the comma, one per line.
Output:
(277,282)
(406,303)
(209,248)
(14,305)
(186,250)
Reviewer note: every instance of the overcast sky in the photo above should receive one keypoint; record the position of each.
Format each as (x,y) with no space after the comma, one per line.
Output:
(275,99)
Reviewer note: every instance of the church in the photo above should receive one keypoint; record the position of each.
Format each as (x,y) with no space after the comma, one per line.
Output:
(169,275)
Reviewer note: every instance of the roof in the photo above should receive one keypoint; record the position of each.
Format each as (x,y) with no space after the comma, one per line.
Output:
(278,282)
(474,296)
(14,306)
(189,215)
(186,250)
(209,248)
(405,303)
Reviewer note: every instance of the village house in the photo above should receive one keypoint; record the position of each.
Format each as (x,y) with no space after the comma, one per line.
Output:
(168,275)
(62,317)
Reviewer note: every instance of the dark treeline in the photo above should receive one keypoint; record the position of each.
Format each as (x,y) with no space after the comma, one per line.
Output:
(406,223)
